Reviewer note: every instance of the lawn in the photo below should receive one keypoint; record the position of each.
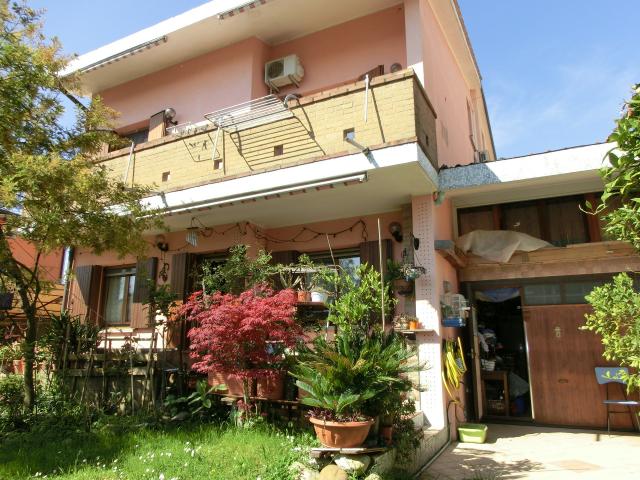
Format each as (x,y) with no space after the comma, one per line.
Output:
(126,451)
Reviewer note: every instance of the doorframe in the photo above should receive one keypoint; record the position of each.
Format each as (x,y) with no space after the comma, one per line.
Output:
(476,371)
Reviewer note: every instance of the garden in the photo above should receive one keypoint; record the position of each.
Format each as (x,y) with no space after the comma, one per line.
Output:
(279,386)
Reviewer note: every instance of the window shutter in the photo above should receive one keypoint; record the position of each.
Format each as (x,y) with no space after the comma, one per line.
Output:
(85,297)
(145,270)
(370,254)
(179,272)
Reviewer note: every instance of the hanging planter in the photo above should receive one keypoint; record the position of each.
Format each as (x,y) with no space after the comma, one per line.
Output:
(403,287)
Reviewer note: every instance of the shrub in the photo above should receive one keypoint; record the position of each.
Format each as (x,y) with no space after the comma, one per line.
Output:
(616,318)
(11,401)
(244,335)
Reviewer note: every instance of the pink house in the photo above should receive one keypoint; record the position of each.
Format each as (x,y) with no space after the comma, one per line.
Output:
(295,126)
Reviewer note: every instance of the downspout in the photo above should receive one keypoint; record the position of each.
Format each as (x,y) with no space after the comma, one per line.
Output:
(67,260)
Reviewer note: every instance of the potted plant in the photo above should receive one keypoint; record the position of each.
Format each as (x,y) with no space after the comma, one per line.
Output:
(349,379)
(402,276)
(337,415)
(7,356)
(232,333)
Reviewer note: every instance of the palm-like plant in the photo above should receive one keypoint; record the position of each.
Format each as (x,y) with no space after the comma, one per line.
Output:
(352,379)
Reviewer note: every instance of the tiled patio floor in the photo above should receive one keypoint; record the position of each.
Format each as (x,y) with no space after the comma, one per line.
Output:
(514,451)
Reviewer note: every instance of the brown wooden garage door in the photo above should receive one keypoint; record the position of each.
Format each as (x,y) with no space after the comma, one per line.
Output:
(561,360)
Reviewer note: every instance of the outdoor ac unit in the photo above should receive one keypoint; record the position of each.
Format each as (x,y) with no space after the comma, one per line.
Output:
(283,71)
(482,156)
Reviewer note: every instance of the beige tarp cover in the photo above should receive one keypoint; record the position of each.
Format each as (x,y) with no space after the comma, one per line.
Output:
(499,245)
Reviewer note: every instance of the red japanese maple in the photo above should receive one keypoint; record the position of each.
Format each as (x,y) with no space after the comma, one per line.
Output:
(244,334)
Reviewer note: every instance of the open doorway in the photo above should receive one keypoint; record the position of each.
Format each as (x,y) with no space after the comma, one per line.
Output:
(502,349)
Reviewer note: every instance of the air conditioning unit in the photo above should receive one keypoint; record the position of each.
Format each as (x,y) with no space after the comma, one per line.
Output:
(482,156)
(283,71)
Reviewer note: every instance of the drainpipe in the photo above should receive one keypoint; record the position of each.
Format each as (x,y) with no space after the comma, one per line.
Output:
(66,271)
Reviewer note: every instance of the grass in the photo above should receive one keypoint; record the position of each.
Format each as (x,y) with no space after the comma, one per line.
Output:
(122,451)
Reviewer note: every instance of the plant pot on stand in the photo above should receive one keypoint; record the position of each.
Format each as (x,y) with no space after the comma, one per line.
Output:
(18,367)
(341,434)
(271,387)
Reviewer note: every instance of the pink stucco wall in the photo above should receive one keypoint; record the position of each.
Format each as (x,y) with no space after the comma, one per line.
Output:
(198,86)
(345,52)
(448,90)
(235,73)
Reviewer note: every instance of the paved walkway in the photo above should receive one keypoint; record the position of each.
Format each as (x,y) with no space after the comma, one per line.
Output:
(514,451)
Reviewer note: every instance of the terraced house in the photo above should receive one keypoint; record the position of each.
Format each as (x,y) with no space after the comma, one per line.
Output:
(299,127)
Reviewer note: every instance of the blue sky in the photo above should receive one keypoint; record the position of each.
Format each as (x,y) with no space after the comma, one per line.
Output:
(555,72)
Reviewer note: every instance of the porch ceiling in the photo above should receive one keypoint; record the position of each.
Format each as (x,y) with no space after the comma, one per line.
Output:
(377,191)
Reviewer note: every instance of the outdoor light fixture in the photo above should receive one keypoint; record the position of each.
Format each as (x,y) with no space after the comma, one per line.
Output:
(169,115)
(192,233)
(395,229)
(161,243)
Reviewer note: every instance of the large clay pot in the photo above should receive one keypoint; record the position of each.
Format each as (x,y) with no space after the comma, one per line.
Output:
(341,434)
(233,383)
(18,367)
(272,387)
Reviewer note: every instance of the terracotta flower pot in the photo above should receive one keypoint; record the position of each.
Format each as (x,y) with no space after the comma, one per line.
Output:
(341,434)
(18,367)
(386,433)
(304,296)
(271,387)
(413,325)
(233,383)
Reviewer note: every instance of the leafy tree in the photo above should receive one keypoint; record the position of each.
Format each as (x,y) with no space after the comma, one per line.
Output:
(616,318)
(243,335)
(616,306)
(59,197)
(622,180)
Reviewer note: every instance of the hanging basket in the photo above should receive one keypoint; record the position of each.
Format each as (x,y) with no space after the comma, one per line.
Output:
(403,287)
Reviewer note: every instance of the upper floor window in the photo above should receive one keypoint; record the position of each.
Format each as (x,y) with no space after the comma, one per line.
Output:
(556,220)
(118,304)
(137,137)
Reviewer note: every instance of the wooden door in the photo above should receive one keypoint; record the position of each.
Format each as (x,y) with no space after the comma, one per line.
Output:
(562,359)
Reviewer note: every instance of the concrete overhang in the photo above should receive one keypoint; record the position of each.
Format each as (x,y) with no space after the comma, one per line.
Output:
(562,172)
(207,28)
(342,187)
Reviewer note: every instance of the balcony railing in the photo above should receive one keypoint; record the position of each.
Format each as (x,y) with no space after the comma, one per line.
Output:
(398,112)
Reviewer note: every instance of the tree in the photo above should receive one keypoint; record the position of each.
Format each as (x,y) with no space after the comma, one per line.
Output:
(59,197)
(616,306)
(243,335)
(616,318)
(621,197)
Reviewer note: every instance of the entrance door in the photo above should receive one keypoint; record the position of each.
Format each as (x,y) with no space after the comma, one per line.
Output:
(476,371)
(562,359)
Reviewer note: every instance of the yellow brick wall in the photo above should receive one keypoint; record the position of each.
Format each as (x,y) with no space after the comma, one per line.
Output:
(315,131)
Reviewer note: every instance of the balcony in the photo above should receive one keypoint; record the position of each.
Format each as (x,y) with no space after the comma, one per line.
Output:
(307,130)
